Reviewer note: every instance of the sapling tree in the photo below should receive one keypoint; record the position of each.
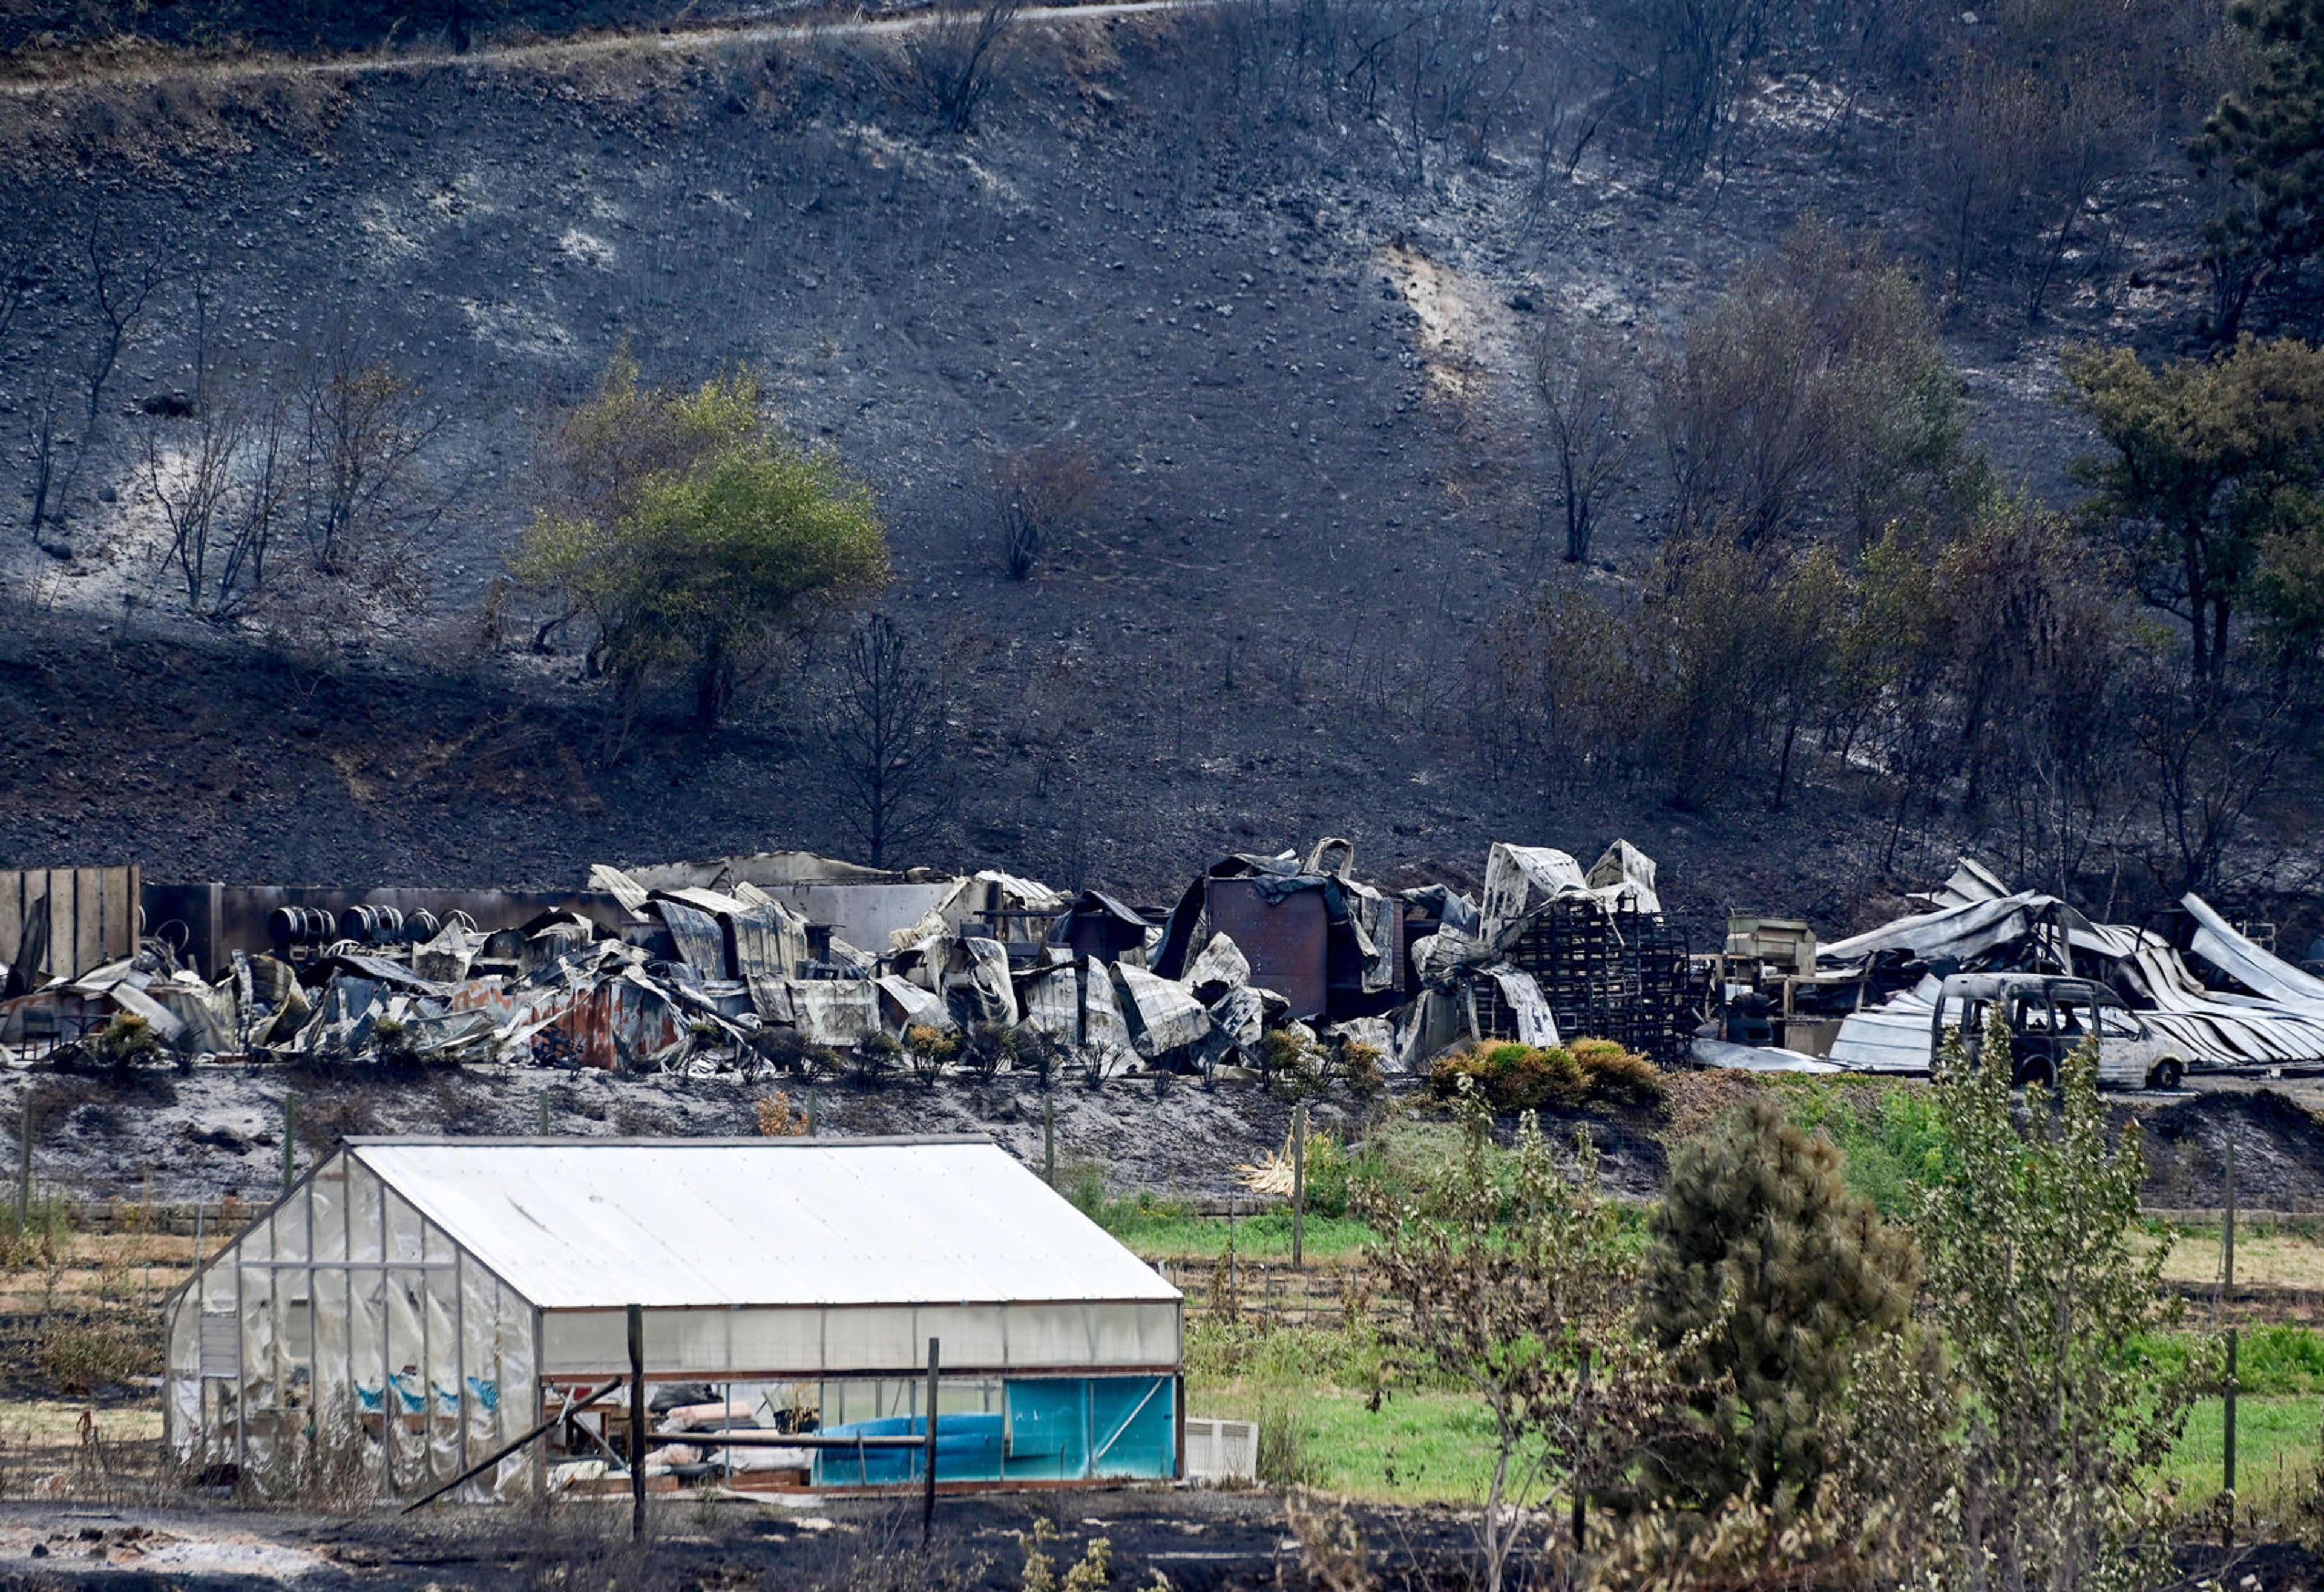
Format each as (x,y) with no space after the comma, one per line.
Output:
(694,538)
(1517,1291)
(2043,1301)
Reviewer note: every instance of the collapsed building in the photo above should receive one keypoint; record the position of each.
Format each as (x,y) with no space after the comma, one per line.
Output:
(2214,996)
(759,961)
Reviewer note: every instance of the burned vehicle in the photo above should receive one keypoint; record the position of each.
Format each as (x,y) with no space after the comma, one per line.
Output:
(2049,1020)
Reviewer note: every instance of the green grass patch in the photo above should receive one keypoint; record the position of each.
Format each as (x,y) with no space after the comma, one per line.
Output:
(2276,1436)
(2270,1360)
(1159,1232)
(1888,1134)
(1416,1448)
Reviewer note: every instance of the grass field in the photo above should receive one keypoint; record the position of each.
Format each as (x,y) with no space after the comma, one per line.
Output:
(2273,1257)
(1311,1391)
(2277,1439)
(1167,1233)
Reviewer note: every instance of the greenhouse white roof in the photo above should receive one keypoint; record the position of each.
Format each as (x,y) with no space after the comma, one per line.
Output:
(673,1223)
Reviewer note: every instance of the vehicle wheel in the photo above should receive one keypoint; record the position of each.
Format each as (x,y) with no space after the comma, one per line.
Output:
(2038,1071)
(2166,1074)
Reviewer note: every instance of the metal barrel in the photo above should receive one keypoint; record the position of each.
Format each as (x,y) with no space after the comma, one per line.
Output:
(299,925)
(372,926)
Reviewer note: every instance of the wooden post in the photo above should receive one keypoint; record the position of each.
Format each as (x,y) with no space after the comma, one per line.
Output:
(544,1113)
(2228,1446)
(24,1169)
(289,1139)
(2227,1233)
(1581,1499)
(637,1421)
(814,1113)
(2228,1410)
(1234,1259)
(1298,1184)
(1049,1138)
(929,1464)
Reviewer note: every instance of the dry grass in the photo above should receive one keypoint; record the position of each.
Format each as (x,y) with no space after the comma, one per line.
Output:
(2286,1259)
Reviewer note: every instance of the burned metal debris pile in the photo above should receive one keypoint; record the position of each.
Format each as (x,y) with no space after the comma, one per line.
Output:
(2202,993)
(781,959)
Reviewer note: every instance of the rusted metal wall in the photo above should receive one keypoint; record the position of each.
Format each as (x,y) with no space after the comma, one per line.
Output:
(91,916)
(611,1025)
(1288,944)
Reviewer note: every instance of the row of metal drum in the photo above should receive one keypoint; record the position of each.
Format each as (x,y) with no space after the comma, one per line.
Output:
(290,926)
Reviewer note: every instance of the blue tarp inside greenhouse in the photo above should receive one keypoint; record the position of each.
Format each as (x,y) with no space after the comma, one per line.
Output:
(1052,1429)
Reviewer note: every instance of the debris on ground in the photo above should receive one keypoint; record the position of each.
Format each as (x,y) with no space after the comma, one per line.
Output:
(2196,991)
(2276,1145)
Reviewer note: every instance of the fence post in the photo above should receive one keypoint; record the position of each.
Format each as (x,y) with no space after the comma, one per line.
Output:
(1049,1138)
(289,1139)
(2227,1411)
(637,1421)
(24,1169)
(1298,1184)
(544,1113)
(929,1496)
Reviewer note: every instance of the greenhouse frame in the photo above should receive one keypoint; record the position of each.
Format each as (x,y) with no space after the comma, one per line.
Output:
(413,1305)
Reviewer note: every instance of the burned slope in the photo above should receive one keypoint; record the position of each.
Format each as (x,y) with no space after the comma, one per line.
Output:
(1302,373)
(34,30)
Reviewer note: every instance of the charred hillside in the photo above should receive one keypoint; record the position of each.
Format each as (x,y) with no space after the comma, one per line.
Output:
(1287,321)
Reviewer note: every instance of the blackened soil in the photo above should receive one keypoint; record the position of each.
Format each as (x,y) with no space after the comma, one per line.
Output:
(2279,1153)
(1305,380)
(1200,1541)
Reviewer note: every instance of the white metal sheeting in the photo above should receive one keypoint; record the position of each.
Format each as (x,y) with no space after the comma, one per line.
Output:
(1890,1038)
(675,1223)
(2218,942)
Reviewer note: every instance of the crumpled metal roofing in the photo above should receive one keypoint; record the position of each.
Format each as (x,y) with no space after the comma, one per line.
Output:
(1960,931)
(2282,1022)
(678,1223)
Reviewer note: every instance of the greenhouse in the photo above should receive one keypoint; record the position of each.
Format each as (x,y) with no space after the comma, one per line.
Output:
(413,1306)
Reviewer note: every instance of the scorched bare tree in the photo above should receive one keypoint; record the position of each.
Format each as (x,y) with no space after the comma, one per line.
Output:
(1589,403)
(883,730)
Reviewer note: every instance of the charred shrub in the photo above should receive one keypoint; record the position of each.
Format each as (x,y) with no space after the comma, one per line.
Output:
(1039,494)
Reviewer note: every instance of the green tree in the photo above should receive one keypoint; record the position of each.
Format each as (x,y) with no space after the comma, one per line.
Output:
(2043,1298)
(692,537)
(2268,141)
(2211,459)
(1767,1276)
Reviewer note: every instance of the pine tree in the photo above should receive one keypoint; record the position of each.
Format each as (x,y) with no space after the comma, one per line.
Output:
(1765,1277)
(2270,141)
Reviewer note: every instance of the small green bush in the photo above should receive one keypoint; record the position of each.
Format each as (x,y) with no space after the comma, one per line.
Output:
(1527,1078)
(931,1049)
(1359,1068)
(126,1040)
(1617,1074)
(874,1057)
